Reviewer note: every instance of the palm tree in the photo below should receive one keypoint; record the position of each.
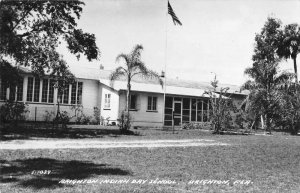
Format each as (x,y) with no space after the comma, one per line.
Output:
(133,67)
(289,46)
(267,90)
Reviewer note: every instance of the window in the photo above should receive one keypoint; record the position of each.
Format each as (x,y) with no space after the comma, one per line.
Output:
(64,96)
(199,110)
(35,85)
(15,93)
(194,110)
(79,93)
(152,101)
(168,111)
(186,107)
(36,95)
(29,89)
(107,101)
(12,93)
(205,111)
(3,91)
(45,90)
(20,91)
(133,102)
(51,91)
(76,93)
(73,93)
(33,89)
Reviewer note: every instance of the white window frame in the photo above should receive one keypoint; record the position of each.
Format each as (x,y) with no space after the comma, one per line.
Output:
(152,106)
(76,91)
(107,99)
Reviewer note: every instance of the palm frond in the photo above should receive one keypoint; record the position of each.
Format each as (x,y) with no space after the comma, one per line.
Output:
(124,57)
(141,69)
(116,74)
(284,80)
(249,85)
(136,53)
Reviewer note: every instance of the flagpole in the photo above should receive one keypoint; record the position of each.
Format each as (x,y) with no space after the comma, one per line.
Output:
(166,60)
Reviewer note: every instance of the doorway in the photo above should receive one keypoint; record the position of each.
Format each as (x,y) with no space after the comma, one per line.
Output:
(177,113)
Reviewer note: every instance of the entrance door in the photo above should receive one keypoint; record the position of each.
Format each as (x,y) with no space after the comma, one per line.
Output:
(177,113)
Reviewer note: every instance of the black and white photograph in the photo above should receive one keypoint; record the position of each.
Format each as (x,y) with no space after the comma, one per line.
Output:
(149,96)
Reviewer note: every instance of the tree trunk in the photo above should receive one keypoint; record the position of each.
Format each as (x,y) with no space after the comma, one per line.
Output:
(128,106)
(295,69)
(268,127)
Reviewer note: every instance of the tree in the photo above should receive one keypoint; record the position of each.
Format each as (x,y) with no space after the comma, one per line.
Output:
(222,106)
(267,86)
(267,91)
(63,78)
(289,46)
(31,31)
(133,67)
(267,42)
(273,95)
(290,113)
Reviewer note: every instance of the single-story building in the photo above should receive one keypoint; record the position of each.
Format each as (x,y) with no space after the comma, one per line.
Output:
(151,104)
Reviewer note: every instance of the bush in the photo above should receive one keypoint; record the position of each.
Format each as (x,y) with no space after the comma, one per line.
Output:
(96,116)
(124,121)
(241,121)
(13,111)
(195,125)
(49,116)
(83,119)
(63,118)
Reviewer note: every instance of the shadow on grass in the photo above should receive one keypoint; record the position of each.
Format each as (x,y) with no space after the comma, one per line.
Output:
(46,131)
(26,173)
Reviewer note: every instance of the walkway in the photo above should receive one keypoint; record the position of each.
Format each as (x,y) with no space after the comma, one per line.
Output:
(81,144)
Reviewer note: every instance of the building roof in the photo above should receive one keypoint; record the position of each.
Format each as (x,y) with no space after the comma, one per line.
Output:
(182,87)
(173,86)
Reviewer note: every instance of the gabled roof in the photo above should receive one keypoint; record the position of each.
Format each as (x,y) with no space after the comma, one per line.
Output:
(173,86)
(184,87)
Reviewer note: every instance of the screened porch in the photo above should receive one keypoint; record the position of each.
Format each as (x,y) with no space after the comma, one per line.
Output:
(185,109)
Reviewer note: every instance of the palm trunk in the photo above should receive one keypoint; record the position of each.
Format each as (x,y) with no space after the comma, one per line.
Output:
(295,69)
(128,106)
(268,126)
(294,124)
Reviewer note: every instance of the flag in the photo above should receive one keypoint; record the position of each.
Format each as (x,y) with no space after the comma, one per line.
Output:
(173,15)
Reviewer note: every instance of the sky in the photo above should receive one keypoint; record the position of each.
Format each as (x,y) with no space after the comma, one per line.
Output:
(216,38)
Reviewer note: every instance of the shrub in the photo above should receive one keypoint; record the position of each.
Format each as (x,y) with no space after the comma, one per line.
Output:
(83,119)
(86,119)
(49,116)
(124,121)
(13,111)
(63,118)
(240,120)
(195,125)
(96,115)
(77,112)
(222,108)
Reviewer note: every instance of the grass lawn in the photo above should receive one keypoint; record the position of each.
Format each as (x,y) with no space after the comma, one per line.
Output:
(248,164)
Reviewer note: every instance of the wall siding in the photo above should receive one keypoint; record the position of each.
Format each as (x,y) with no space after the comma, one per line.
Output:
(112,112)
(89,93)
(142,117)
(37,110)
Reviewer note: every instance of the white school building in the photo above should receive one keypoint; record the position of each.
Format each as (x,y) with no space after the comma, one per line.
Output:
(186,99)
